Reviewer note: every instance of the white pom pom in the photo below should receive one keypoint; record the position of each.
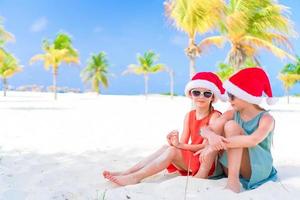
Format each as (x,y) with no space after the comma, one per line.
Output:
(225,97)
(271,100)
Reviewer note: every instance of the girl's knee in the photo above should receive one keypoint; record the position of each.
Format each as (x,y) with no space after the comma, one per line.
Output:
(172,151)
(232,128)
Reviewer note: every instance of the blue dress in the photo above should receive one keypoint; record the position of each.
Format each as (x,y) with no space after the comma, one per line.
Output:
(261,160)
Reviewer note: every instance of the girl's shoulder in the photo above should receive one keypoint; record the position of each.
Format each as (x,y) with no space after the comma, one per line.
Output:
(267,122)
(266,117)
(229,114)
(213,116)
(216,112)
(190,114)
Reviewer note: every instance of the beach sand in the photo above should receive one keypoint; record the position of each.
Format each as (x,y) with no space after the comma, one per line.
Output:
(58,149)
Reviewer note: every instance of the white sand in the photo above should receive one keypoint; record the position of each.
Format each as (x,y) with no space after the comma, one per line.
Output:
(57,150)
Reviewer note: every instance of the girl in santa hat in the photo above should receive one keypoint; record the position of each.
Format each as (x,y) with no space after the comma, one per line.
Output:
(204,89)
(245,132)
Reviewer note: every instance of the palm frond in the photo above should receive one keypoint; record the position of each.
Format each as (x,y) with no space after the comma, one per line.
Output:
(96,71)
(225,71)
(157,68)
(145,64)
(38,57)
(9,65)
(103,80)
(213,40)
(5,36)
(289,80)
(260,43)
(192,16)
(71,59)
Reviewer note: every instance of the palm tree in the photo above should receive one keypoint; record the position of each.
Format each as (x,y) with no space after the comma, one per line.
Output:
(225,71)
(289,80)
(252,24)
(192,17)
(5,36)
(96,71)
(9,65)
(290,75)
(145,67)
(170,72)
(54,54)
(292,68)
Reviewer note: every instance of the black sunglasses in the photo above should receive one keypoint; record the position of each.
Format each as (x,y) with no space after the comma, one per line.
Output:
(197,93)
(230,96)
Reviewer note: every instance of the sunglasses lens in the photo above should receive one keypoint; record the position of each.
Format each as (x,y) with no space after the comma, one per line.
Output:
(231,96)
(196,93)
(207,94)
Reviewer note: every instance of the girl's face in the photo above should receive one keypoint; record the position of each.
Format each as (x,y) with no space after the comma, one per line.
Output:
(202,97)
(237,103)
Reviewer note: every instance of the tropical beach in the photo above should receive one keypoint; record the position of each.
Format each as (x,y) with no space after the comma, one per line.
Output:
(48,153)
(84,90)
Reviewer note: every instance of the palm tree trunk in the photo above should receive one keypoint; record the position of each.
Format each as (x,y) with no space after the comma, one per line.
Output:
(96,86)
(4,86)
(288,96)
(192,66)
(55,83)
(256,61)
(192,54)
(236,56)
(146,84)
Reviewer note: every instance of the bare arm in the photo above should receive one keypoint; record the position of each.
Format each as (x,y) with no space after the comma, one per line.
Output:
(196,147)
(191,147)
(216,126)
(185,136)
(266,125)
(213,133)
(174,135)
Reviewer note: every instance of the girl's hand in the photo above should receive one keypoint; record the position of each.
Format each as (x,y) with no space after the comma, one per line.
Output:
(204,153)
(217,142)
(175,139)
(170,135)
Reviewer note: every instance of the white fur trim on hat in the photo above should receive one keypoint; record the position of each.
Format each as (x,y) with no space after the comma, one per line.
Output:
(235,90)
(204,84)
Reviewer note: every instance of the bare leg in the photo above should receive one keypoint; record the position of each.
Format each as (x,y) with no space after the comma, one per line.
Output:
(139,165)
(205,167)
(171,155)
(218,127)
(238,158)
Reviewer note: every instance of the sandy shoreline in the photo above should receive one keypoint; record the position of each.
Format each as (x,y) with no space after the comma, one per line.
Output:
(57,150)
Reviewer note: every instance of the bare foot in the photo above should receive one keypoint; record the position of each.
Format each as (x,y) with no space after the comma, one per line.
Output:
(234,186)
(123,180)
(108,173)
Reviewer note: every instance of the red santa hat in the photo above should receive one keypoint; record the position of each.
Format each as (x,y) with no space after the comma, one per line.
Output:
(207,80)
(249,85)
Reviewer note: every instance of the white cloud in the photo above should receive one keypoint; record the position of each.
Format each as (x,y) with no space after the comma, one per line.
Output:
(179,40)
(39,25)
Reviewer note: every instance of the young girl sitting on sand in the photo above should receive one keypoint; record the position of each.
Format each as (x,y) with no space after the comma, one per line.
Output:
(245,132)
(204,89)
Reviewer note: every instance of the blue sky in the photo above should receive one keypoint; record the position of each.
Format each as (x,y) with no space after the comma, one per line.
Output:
(121,30)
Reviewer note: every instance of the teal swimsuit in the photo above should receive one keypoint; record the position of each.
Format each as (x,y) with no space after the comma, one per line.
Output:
(261,160)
